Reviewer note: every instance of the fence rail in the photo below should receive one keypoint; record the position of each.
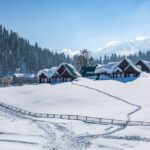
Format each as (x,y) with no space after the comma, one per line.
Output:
(87,119)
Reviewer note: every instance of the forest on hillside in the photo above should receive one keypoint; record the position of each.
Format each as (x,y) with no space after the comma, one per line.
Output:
(18,55)
(134,57)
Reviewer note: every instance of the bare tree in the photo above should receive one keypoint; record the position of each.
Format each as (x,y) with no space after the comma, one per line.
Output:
(83,58)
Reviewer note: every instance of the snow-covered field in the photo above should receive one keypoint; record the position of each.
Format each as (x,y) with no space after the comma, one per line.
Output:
(103,98)
(64,98)
(54,134)
(136,91)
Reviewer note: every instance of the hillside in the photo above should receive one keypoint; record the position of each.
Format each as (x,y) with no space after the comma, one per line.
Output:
(124,47)
(17,54)
(63,98)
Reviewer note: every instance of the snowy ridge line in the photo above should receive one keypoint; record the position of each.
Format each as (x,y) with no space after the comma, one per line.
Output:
(86,119)
(120,99)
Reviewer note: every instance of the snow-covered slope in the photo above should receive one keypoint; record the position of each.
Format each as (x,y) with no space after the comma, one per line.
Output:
(67,98)
(64,98)
(48,134)
(124,47)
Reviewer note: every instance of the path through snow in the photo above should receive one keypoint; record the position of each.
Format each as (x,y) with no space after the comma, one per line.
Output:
(115,97)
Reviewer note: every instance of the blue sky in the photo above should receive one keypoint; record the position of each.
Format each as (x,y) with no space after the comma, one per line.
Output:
(76,24)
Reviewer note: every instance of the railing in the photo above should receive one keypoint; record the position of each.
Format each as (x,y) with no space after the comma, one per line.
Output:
(86,119)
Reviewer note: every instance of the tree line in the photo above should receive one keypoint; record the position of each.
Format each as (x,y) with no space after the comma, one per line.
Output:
(134,57)
(18,55)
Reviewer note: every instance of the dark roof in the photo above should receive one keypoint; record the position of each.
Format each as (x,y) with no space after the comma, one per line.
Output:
(89,70)
(72,70)
(146,63)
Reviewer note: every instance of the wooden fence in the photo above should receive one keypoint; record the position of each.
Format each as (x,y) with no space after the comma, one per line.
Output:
(87,119)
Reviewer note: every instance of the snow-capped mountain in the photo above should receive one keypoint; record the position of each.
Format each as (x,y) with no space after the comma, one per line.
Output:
(117,47)
(124,47)
(69,52)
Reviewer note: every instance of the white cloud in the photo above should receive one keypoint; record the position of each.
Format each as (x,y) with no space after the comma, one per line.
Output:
(140,38)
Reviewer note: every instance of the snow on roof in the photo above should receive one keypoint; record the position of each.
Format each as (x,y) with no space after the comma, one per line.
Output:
(130,64)
(20,75)
(71,69)
(108,68)
(133,66)
(147,63)
(48,72)
(118,63)
(113,66)
(52,71)
(74,69)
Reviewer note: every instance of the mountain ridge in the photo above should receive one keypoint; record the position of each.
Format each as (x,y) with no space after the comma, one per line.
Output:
(117,47)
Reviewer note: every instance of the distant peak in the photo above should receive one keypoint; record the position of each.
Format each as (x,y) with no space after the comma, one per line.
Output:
(113,43)
(69,52)
(127,47)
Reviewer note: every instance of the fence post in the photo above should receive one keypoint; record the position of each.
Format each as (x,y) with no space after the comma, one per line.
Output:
(100,120)
(126,123)
(142,123)
(112,121)
(85,118)
(77,117)
(68,117)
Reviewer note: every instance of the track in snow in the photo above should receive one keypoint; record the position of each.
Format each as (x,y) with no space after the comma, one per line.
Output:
(56,136)
(115,97)
(59,137)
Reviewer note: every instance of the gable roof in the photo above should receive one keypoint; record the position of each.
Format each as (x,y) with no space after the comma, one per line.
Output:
(114,66)
(54,71)
(146,63)
(48,72)
(71,69)
(124,59)
(134,67)
(130,64)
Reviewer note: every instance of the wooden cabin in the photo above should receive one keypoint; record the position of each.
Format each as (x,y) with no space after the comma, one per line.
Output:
(43,78)
(124,68)
(143,65)
(63,73)
(131,71)
(47,75)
